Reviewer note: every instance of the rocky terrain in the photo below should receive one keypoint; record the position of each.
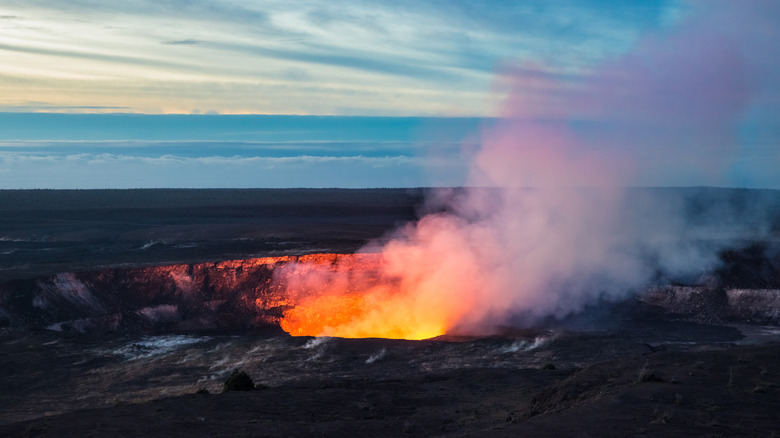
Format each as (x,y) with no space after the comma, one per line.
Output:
(124,316)
(241,294)
(46,232)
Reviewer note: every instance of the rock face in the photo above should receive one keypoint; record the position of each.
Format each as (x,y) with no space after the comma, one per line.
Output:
(745,287)
(187,297)
(756,305)
(241,294)
(716,305)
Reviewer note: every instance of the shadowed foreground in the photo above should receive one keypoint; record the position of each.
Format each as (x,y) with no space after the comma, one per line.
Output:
(715,390)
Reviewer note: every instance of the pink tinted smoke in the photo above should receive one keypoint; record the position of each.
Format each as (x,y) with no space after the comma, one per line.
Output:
(542,231)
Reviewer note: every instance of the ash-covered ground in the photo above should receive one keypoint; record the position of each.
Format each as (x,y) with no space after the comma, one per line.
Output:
(686,357)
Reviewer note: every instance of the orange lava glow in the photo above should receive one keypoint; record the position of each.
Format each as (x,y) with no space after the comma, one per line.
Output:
(349,295)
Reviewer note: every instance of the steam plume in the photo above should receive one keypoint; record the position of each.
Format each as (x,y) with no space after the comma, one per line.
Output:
(548,226)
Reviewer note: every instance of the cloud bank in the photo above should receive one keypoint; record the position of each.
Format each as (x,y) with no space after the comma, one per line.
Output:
(106,170)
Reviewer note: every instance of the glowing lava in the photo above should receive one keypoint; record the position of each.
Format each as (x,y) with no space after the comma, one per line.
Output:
(350,295)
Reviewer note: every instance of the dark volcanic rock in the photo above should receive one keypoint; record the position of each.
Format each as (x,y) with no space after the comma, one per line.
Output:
(725,391)
(190,297)
(44,232)
(238,381)
(755,266)
(715,305)
(241,294)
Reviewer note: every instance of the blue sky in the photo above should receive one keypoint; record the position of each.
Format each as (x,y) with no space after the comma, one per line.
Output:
(409,88)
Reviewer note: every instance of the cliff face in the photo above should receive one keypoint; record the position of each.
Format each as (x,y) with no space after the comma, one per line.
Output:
(187,297)
(716,305)
(744,288)
(241,294)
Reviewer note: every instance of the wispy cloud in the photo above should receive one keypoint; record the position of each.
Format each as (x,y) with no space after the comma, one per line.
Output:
(182,42)
(105,170)
(364,57)
(45,106)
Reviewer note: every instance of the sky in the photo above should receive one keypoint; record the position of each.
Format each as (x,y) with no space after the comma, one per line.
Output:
(175,93)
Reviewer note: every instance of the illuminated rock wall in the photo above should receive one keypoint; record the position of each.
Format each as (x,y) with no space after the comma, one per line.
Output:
(188,297)
(259,293)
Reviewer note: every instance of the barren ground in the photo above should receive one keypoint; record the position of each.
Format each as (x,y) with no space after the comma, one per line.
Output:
(623,371)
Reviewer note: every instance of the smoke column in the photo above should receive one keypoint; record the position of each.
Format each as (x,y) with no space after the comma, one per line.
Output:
(547,225)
